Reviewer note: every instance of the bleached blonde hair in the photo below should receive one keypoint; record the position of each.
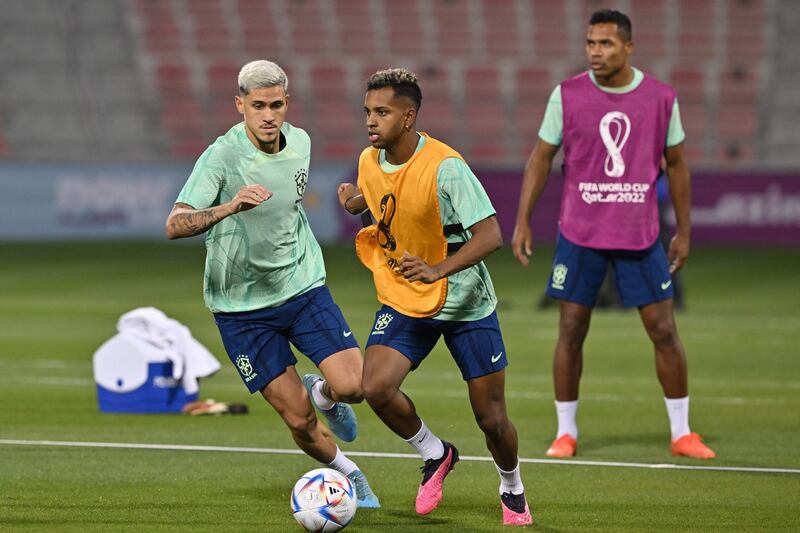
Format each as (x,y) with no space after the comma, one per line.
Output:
(261,73)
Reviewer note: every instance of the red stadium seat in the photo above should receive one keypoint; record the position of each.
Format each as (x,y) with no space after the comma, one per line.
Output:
(695,43)
(405,37)
(533,85)
(224,116)
(690,82)
(452,22)
(482,83)
(309,29)
(260,34)
(694,117)
(183,118)
(438,119)
(501,29)
(551,40)
(649,19)
(210,32)
(173,80)
(222,80)
(738,122)
(329,83)
(528,119)
(485,124)
(357,32)
(738,87)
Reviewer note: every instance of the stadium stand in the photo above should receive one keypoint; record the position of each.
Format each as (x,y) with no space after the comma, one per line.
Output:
(159,75)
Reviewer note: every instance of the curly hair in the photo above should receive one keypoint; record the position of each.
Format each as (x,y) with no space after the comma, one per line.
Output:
(402,81)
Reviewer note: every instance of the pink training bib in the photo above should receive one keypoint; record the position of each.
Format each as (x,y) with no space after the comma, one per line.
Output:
(613,145)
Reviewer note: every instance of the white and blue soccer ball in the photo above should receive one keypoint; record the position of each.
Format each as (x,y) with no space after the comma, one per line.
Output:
(324,500)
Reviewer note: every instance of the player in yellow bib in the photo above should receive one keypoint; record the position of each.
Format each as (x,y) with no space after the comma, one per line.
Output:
(434,226)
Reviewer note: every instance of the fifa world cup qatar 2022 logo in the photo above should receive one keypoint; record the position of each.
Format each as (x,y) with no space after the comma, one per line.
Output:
(615,128)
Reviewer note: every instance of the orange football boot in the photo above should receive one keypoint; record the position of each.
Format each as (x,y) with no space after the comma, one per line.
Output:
(563,446)
(691,445)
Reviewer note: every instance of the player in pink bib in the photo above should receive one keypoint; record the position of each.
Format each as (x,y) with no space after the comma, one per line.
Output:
(616,125)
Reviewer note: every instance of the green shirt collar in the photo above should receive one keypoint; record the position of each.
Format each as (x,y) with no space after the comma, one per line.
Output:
(638,76)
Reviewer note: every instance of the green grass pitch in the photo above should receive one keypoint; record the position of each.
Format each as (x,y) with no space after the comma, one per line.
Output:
(59,302)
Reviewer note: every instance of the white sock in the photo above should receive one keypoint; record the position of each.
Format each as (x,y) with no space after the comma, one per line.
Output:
(427,444)
(678,412)
(566,412)
(342,464)
(510,481)
(321,400)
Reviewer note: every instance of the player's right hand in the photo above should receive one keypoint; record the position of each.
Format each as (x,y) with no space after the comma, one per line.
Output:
(249,197)
(345,192)
(521,243)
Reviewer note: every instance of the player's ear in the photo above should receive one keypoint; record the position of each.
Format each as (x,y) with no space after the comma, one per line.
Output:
(239,104)
(629,46)
(410,119)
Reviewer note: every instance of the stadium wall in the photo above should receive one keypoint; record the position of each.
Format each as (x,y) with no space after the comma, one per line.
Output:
(132,201)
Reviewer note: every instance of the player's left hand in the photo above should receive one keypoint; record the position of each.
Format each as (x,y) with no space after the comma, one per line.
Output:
(678,252)
(415,269)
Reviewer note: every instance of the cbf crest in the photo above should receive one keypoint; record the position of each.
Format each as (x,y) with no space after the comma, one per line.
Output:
(381,323)
(245,368)
(300,180)
(559,276)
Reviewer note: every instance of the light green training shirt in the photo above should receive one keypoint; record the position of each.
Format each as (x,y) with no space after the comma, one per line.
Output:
(552,128)
(462,199)
(266,255)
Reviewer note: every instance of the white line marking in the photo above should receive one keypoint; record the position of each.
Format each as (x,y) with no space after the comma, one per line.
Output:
(281,451)
(460,392)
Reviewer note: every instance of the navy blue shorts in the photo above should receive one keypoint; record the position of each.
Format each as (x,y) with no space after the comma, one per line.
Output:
(476,346)
(642,276)
(257,341)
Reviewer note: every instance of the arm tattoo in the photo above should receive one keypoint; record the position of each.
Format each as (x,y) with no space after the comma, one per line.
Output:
(195,222)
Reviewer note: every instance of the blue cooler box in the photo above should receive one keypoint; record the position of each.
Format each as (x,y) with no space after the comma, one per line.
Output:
(133,376)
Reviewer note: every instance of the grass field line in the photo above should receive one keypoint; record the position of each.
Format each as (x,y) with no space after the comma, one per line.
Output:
(389,455)
(461,392)
(644,381)
(602,397)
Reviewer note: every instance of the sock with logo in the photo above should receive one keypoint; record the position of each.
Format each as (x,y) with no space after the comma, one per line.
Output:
(427,444)
(566,412)
(342,464)
(319,396)
(678,412)
(510,481)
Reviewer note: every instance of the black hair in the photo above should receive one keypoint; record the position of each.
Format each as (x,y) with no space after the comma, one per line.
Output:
(404,83)
(624,27)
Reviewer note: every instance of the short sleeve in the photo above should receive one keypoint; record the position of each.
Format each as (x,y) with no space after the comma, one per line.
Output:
(675,133)
(202,188)
(465,198)
(552,128)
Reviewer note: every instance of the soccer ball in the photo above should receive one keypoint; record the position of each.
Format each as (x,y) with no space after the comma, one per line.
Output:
(323,500)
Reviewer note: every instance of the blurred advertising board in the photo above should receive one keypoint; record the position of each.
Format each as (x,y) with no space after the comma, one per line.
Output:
(104,201)
(761,209)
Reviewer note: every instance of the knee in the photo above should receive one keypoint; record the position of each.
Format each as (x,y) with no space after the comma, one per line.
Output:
(663,333)
(301,426)
(376,392)
(493,425)
(572,329)
(350,393)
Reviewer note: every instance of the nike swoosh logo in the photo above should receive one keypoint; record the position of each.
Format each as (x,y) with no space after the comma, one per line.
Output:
(496,357)
(665,285)
(347,333)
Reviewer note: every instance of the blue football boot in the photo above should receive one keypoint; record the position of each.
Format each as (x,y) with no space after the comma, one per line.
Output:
(366,498)
(341,418)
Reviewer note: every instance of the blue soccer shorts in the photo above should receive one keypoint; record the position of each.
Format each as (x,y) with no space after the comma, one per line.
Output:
(642,276)
(257,341)
(476,346)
